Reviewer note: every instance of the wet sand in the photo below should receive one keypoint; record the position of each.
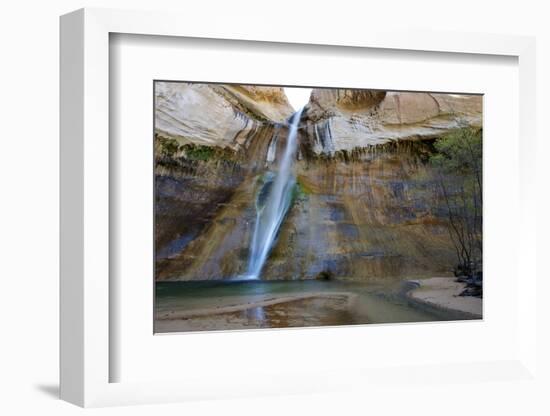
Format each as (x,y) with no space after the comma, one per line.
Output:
(348,299)
(304,311)
(443,293)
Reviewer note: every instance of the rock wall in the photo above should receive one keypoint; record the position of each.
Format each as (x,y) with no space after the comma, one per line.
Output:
(369,215)
(347,119)
(216,115)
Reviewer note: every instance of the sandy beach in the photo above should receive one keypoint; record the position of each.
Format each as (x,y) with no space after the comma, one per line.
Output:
(443,293)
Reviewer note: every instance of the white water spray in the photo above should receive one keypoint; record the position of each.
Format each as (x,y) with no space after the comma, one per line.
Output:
(270,214)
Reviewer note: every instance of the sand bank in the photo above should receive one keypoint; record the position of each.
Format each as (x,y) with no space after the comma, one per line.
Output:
(443,293)
(273,300)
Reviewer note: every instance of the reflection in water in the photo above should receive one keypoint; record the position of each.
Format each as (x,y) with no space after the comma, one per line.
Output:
(257,314)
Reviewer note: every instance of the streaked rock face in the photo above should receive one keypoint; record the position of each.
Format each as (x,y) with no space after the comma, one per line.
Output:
(369,216)
(364,206)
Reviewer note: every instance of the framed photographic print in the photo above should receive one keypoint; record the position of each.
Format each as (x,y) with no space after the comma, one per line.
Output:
(287,213)
(279,207)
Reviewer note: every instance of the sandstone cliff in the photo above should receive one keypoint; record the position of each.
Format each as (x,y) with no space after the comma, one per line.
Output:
(346,119)
(216,115)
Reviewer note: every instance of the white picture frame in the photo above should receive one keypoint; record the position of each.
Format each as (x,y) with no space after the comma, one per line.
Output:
(86,356)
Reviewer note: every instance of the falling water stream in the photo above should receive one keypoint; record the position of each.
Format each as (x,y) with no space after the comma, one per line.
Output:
(271,211)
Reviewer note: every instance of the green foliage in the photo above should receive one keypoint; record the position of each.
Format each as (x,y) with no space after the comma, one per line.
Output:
(305,188)
(459,152)
(197,152)
(167,147)
(170,147)
(299,192)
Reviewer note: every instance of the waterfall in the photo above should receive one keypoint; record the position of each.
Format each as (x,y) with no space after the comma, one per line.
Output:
(271,210)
